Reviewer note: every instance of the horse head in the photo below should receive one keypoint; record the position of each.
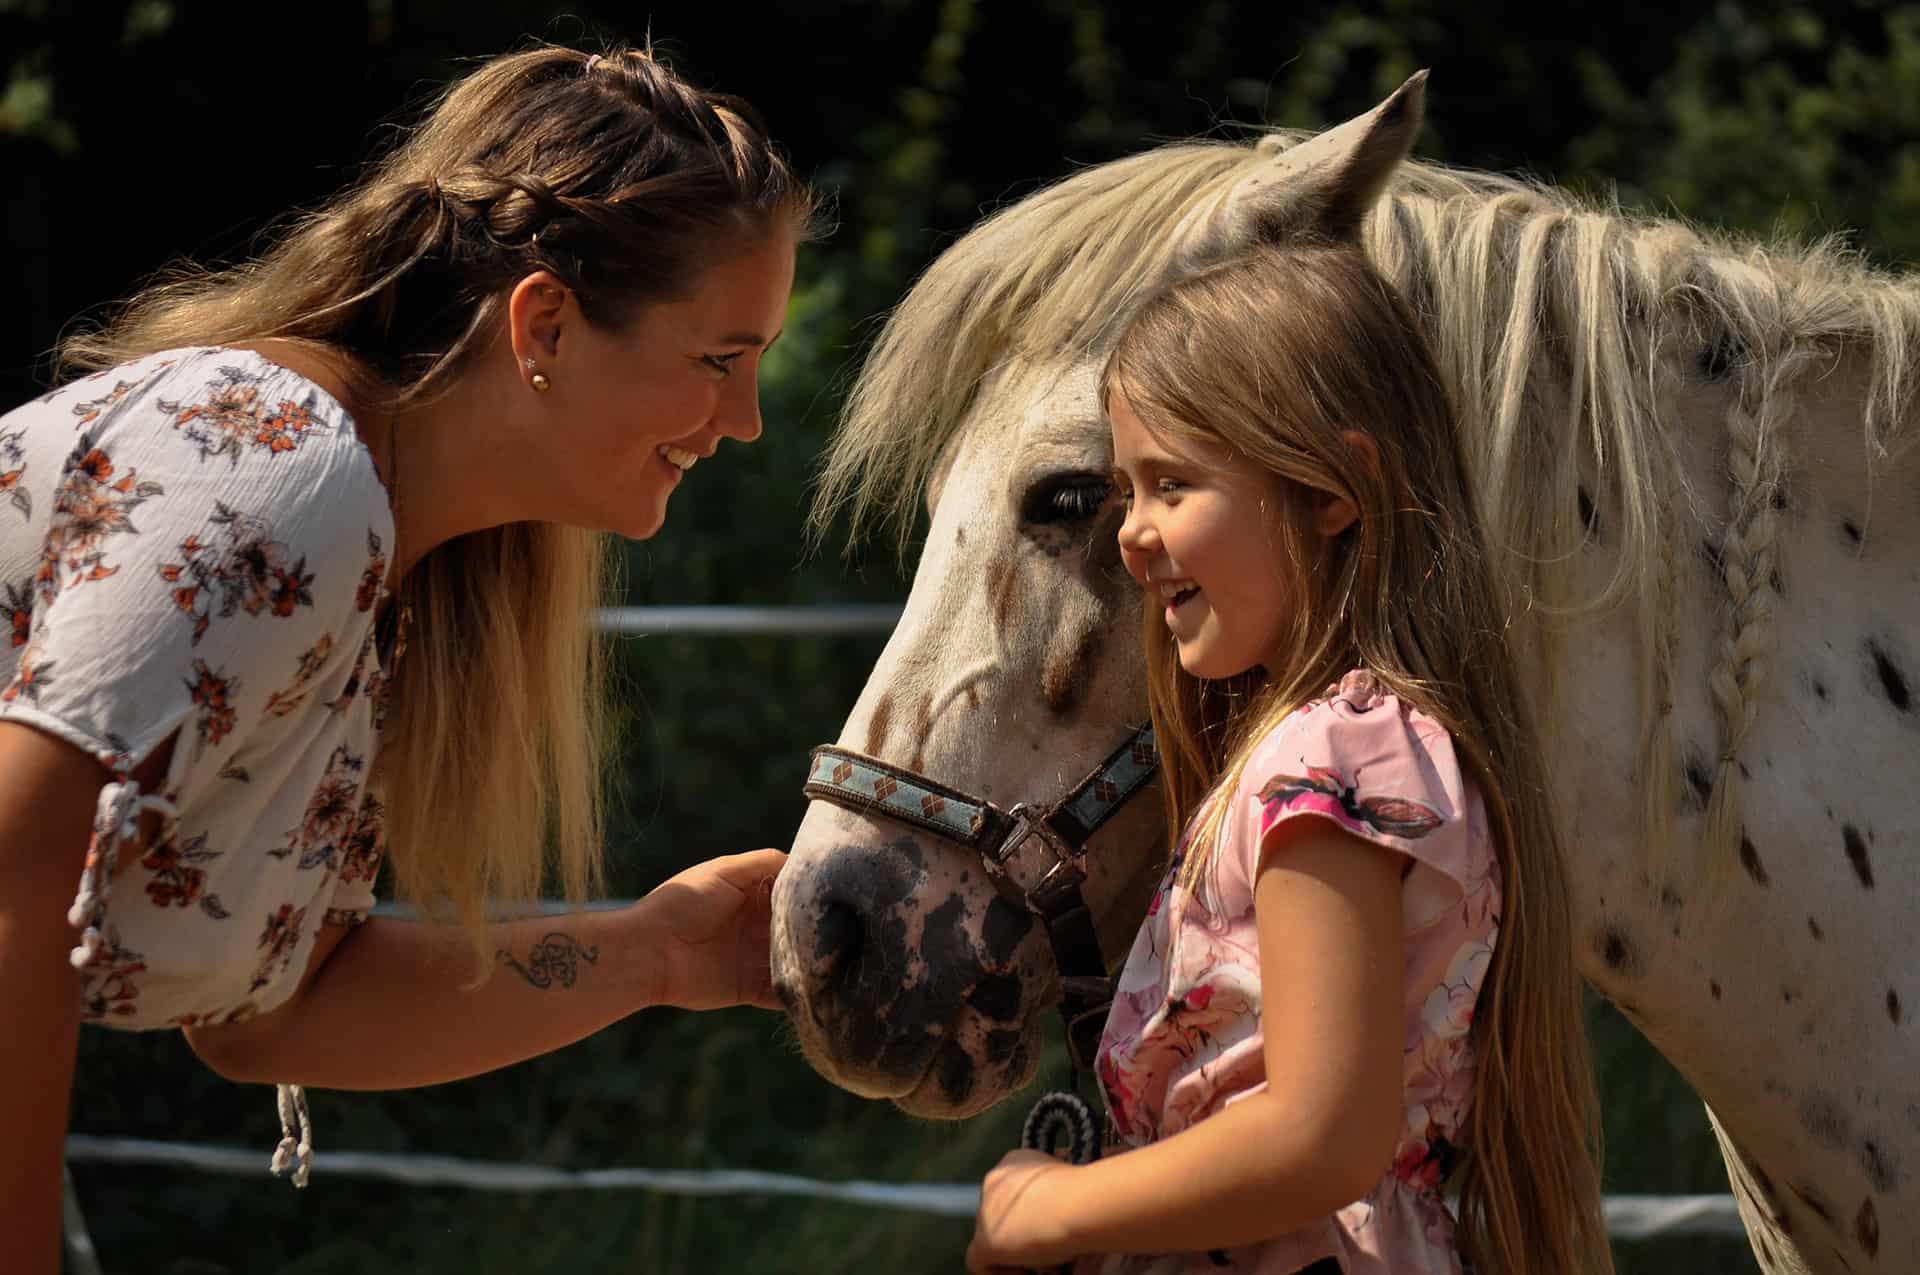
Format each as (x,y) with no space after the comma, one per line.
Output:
(909,969)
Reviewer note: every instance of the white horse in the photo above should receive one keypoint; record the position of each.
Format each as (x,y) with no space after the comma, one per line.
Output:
(1693,456)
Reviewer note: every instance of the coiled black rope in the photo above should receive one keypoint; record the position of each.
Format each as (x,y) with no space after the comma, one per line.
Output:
(1056,1116)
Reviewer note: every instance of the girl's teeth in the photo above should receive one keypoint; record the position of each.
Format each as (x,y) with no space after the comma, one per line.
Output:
(678,456)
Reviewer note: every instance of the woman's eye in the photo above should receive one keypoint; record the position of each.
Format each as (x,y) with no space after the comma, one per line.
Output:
(721,363)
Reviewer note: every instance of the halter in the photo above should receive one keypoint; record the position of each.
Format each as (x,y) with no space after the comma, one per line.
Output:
(1035,856)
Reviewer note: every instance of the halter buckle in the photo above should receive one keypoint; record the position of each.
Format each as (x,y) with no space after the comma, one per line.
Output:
(1064,874)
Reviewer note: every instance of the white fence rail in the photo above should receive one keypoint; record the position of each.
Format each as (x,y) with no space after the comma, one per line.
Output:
(1629,1217)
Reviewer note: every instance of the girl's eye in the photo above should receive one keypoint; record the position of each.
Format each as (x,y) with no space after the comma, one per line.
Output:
(1167,486)
(721,363)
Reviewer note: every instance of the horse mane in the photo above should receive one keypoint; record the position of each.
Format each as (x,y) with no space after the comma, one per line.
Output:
(1554,318)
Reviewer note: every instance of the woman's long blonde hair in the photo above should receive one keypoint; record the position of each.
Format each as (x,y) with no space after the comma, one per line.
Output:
(1274,355)
(625,182)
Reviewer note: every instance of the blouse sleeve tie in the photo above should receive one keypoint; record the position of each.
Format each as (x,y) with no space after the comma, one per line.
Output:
(116,820)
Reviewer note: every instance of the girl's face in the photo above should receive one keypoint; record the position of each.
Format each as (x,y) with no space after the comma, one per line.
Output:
(646,401)
(1202,536)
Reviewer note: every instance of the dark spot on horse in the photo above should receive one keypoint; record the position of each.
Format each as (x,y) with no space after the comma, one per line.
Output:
(1064,672)
(1699,780)
(1589,517)
(1773,582)
(922,727)
(1851,529)
(1001,930)
(1713,987)
(1781,498)
(1716,360)
(1866,1228)
(1786,996)
(1750,860)
(1857,854)
(996,996)
(1881,1169)
(1616,948)
(960,535)
(1670,899)
(1003,592)
(1824,1118)
(1893,682)
(1893,1006)
(1819,688)
(1744,772)
(1811,1198)
(1001,1044)
(1813,928)
(953,1069)
(877,725)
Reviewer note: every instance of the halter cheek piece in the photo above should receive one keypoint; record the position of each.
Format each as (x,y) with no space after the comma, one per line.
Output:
(1035,856)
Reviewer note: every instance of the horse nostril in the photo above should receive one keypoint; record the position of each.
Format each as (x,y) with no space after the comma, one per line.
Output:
(839,939)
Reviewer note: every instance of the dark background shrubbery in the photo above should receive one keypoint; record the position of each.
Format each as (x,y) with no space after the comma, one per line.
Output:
(134,133)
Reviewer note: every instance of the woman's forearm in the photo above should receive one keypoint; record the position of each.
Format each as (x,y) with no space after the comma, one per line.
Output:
(394,1005)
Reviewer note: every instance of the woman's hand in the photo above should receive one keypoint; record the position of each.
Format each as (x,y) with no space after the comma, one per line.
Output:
(1019,1225)
(713,921)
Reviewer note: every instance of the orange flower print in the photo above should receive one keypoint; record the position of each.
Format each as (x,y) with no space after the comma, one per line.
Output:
(32,676)
(331,814)
(178,880)
(212,695)
(232,420)
(13,466)
(19,602)
(246,570)
(90,411)
(374,577)
(109,985)
(93,503)
(282,702)
(366,845)
(277,941)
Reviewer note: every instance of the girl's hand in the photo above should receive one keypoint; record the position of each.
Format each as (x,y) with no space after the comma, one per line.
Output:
(713,921)
(1019,1225)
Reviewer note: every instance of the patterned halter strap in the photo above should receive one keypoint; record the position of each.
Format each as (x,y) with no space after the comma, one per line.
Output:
(1035,855)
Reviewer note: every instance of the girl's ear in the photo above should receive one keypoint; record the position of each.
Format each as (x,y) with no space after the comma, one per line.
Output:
(1334,514)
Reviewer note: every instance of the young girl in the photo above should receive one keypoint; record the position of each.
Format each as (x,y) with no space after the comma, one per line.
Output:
(1355,989)
(305,569)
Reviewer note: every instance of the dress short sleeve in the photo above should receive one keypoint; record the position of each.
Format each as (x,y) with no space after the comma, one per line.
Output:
(1381,770)
(176,567)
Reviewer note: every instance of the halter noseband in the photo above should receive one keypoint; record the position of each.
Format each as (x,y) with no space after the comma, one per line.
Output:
(1035,856)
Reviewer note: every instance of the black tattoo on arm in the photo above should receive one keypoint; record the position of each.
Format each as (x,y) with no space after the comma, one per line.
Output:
(554,959)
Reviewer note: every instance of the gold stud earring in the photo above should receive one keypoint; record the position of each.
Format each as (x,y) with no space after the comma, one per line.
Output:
(540,382)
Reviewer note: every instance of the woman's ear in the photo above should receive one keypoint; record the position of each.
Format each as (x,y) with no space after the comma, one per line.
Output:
(535,310)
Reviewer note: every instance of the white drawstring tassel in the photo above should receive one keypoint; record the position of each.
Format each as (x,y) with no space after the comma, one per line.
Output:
(295,1153)
(116,818)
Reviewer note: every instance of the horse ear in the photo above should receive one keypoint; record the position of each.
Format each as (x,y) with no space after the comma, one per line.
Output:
(1324,187)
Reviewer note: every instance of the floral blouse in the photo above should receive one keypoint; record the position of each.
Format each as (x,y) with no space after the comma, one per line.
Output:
(1184,1038)
(192,548)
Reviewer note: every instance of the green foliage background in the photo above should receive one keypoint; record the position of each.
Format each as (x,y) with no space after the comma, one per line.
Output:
(134,132)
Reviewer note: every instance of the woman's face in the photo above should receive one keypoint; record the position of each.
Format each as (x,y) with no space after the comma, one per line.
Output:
(644,402)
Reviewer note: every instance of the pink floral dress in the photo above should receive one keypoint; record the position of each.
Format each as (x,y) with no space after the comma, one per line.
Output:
(1184,1038)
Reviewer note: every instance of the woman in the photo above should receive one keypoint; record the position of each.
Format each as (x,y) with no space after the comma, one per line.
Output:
(305,566)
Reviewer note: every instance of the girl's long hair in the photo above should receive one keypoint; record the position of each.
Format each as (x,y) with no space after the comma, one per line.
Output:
(625,182)
(1274,355)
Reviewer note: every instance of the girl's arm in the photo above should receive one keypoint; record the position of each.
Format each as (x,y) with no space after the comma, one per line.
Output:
(1318,1137)
(389,1004)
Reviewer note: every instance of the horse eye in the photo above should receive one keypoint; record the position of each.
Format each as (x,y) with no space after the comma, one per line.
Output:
(1065,498)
